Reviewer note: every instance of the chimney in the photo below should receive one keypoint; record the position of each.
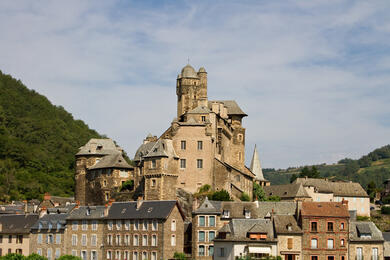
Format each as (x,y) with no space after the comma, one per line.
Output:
(43,212)
(345,202)
(111,201)
(46,196)
(139,202)
(106,209)
(77,204)
(25,206)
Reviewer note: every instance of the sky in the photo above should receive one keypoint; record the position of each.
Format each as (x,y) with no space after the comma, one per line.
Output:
(313,76)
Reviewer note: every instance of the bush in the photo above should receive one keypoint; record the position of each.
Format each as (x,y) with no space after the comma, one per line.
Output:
(180,256)
(245,197)
(69,257)
(205,188)
(13,256)
(385,210)
(128,185)
(221,195)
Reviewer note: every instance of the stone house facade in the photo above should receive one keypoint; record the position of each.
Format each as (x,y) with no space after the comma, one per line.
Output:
(289,236)
(15,233)
(365,241)
(84,232)
(47,237)
(143,230)
(325,228)
(100,170)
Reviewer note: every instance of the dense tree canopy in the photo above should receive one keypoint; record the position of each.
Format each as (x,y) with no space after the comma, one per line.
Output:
(38,142)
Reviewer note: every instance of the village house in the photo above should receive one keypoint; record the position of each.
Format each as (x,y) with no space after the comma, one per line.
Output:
(143,230)
(324,190)
(246,238)
(47,237)
(365,241)
(325,228)
(84,232)
(288,192)
(289,236)
(15,233)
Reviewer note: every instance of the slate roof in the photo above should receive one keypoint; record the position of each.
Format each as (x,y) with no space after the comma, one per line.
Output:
(13,224)
(356,228)
(256,166)
(281,223)
(286,191)
(324,209)
(149,209)
(231,105)
(11,209)
(199,110)
(209,207)
(279,208)
(87,212)
(342,189)
(143,150)
(241,227)
(54,219)
(162,148)
(386,236)
(112,161)
(99,146)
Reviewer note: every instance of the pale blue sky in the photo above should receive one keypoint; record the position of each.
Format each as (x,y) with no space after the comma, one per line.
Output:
(313,76)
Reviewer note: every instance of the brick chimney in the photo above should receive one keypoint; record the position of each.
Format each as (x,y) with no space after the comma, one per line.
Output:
(77,204)
(345,202)
(111,201)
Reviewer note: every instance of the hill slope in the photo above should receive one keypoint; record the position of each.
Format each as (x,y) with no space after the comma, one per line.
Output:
(37,143)
(373,167)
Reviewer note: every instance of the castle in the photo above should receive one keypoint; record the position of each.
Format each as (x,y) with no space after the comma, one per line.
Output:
(205,144)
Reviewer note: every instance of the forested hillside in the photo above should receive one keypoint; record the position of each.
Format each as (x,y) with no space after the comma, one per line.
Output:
(373,167)
(38,142)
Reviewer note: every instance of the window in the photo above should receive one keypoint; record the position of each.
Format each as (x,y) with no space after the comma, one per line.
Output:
(58,253)
(49,253)
(74,253)
(173,240)
(154,164)
(144,240)
(201,250)
(202,221)
(135,240)
(154,225)
(109,255)
(314,257)
(127,225)
(50,239)
(314,243)
(74,240)
(200,145)
(225,213)
(10,239)
(173,225)
(330,243)
(58,225)
(127,240)
(247,214)
(154,256)
(83,239)
(136,224)
(39,238)
(342,242)
(109,224)
(289,243)
(118,224)
(58,239)
(50,226)
(126,255)
(313,226)
(144,255)
(183,145)
(75,225)
(212,221)
(118,254)
(374,253)
(330,257)
(199,163)
(145,225)
(39,251)
(211,235)
(221,252)
(201,236)
(94,225)
(93,255)
(154,240)
(135,255)
(182,163)
(93,240)
(19,251)
(342,226)
(153,182)
(19,239)
(330,226)
(203,118)
(107,196)
(109,240)
(118,240)
(1,239)
(211,250)
(84,225)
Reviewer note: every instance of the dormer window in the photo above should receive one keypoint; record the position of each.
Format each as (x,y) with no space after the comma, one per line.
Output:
(289,227)
(247,213)
(88,211)
(39,225)
(99,147)
(203,118)
(225,214)
(50,226)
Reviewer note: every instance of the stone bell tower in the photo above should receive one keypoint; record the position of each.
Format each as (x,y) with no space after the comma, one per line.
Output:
(191,89)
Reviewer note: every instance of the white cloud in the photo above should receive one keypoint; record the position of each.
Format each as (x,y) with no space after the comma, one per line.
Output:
(311,75)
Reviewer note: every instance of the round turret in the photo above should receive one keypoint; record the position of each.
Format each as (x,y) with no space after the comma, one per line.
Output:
(189,72)
(202,69)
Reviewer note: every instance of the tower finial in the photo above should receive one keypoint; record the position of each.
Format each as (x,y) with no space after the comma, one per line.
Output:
(188,60)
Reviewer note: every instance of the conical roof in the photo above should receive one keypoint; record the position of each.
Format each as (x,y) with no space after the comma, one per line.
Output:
(256,166)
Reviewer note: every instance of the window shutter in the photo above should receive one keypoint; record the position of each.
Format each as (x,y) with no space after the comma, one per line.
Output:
(289,243)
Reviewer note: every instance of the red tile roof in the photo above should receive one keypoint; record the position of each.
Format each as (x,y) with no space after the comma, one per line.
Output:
(324,209)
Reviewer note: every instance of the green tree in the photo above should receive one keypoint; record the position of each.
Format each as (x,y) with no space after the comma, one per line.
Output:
(204,189)
(179,256)
(221,195)
(245,197)
(258,192)
(128,185)
(13,256)
(34,256)
(69,257)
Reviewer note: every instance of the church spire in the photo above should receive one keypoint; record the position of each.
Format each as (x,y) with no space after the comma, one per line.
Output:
(256,166)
